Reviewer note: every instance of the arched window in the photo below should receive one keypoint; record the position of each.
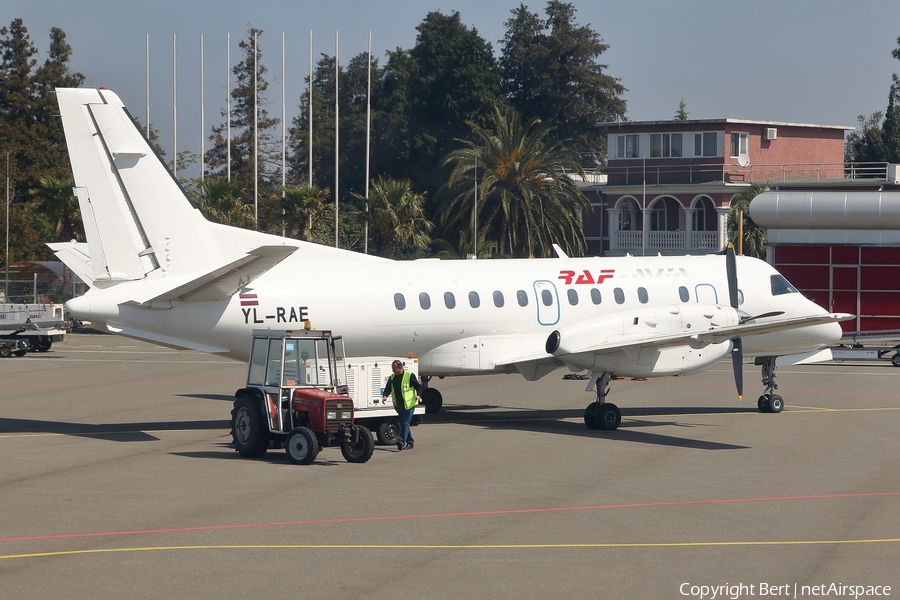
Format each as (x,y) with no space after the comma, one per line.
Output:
(522,298)
(498,299)
(399,301)
(595,295)
(573,296)
(449,300)
(424,301)
(474,300)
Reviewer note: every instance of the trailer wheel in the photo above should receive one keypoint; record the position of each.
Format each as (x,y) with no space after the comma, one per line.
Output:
(387,433)
(248,431)
(301,446)
(361,450)
(433,400)
(895,360)
(5,352)
(20,352)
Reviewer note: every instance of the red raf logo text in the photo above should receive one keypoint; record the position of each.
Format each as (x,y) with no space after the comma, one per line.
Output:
(586,277)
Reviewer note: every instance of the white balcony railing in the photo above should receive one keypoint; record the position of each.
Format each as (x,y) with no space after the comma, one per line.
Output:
(632,241)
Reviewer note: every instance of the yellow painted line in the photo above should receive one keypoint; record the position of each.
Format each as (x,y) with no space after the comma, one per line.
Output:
(451,546)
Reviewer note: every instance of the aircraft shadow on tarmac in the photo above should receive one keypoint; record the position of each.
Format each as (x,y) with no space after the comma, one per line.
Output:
(114,432)
(226,397)
(555,422)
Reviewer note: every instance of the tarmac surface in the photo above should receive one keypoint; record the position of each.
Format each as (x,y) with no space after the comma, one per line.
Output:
(118,481)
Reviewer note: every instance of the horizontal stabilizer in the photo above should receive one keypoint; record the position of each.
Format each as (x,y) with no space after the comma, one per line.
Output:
(222,283)
(77,257)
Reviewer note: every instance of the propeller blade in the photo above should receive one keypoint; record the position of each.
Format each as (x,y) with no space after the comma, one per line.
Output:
(737,360)
(731,272)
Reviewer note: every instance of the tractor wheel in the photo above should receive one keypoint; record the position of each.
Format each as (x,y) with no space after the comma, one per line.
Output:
(361,450)
(249,432)
(387,432)
(44,343)
(301,446)
(5,351)
(20,352)
(433,400)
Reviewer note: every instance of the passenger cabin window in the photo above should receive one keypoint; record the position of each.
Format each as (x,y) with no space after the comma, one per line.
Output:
(424,301)
(683,294)
(595,295)
(780,286)
(474,300)
(498,299)
(546,297)
(522,297)
(573,296)
(449,300)
(642,295)
(619,295)
(399,301)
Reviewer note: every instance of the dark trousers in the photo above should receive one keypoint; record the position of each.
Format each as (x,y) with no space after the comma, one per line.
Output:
(405,436)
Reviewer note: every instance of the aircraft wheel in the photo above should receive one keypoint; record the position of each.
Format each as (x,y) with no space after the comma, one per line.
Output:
(590,415)
(763,403)
(387,432)
(248,431)
(433,400)
(301,446)
(361,450)
(776,403)
(607,416)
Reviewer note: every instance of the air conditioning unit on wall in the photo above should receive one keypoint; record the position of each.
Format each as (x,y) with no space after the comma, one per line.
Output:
(770,133)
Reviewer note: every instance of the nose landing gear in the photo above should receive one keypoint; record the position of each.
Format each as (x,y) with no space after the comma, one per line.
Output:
(602,414)
(769,402)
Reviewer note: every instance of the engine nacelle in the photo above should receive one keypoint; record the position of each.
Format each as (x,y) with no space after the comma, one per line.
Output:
(580,345)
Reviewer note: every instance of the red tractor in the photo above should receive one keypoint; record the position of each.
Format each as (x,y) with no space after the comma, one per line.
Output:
(296,395)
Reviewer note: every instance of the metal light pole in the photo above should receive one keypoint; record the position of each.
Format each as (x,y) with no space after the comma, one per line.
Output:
(6,256)
(336,143)
(368,130)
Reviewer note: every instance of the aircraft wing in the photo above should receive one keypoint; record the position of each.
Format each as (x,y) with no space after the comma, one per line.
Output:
(542,363)
(223,282)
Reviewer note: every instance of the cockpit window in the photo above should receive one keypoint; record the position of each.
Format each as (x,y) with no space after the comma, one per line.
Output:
(781,286)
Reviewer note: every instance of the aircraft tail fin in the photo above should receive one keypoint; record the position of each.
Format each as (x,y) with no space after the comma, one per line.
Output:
(136,217)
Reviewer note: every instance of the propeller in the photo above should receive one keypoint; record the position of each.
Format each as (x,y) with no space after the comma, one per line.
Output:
(737,350)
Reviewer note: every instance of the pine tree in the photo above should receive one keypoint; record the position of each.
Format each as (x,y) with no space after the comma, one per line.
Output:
(242,133)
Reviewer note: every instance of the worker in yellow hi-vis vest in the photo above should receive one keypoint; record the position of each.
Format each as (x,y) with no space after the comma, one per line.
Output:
(404,388)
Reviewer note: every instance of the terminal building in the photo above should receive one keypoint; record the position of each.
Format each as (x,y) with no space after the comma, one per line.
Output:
(833,228)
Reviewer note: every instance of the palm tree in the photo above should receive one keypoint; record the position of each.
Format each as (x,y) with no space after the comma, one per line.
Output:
(58,202)
(754,239)
(396,216)
(525,198)
(220,201)
(306,216)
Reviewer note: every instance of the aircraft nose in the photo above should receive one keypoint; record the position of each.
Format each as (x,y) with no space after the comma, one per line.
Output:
(79,307)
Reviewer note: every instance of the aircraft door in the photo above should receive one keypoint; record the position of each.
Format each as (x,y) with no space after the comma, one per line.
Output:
(705,293)
(547,301)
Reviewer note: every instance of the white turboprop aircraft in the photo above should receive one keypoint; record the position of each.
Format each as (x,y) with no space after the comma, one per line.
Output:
(159,271)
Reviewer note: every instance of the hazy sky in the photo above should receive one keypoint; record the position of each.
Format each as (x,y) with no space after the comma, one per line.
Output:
(810,61)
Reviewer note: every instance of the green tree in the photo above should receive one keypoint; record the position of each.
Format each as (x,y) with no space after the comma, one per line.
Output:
(681,114)
(56,202)
(243,142)
(866,144)
(449,77)
(754,239)
(525,199)
(30,132)
(551,71)
(221,201)
(306,214)
(396,217)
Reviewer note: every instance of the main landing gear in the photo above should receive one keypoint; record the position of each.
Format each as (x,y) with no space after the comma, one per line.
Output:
(602,414)
(431,397)
(769,402)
